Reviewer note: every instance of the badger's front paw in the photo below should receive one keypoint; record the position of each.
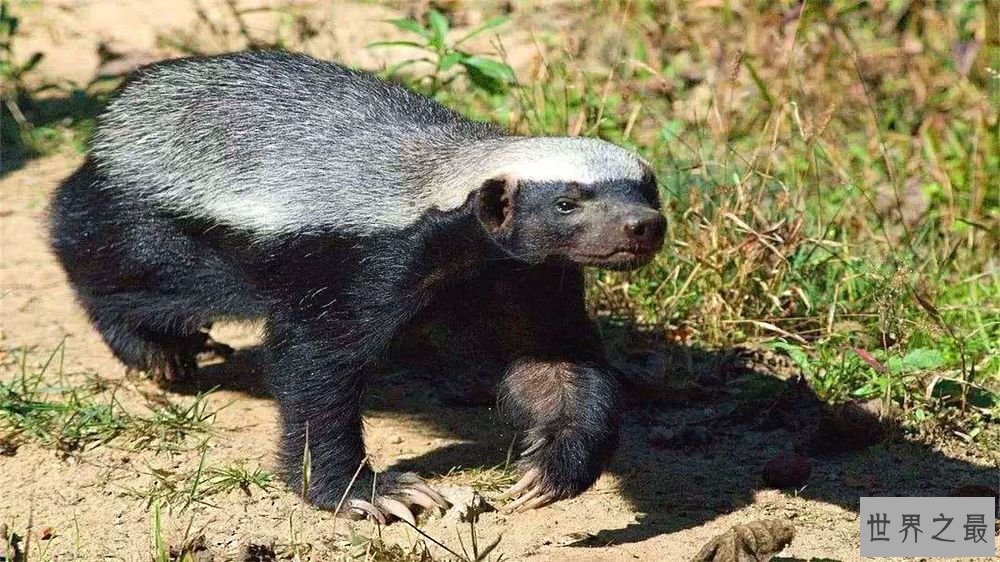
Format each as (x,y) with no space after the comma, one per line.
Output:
(558,468)
(396,495)
(529,492)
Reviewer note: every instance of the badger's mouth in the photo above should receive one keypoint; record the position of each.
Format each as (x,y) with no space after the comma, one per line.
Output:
(616,258)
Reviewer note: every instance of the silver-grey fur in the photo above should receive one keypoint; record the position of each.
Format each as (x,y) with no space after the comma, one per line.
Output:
(315,146)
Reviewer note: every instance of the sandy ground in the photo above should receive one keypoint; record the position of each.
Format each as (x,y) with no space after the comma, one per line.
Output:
(660,501)
(67,31)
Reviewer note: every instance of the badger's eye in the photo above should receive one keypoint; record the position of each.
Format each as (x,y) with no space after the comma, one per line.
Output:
(566,206)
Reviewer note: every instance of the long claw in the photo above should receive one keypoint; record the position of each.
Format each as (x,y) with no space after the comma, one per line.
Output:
(368,508)
(523,484)
(398,509)
(534,447)
(421,498)
(523,500)
(434,495)
(541,501)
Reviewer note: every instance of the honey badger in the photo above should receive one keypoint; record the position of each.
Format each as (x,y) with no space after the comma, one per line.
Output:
(339,208)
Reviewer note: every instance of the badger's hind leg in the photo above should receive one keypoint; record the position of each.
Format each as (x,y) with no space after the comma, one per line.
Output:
(149,288)
(145,337)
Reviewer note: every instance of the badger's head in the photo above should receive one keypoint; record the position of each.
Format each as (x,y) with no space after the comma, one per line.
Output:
(576,199)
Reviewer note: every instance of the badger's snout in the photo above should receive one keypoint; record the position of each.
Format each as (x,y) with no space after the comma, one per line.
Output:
(644,228)
(624,238)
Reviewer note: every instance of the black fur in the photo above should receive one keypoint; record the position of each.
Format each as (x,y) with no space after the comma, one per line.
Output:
(505,265)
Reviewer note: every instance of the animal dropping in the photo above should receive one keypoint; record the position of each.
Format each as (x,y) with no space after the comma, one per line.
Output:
(350,213)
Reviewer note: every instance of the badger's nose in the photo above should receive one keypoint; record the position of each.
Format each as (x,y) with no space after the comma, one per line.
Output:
(645,227)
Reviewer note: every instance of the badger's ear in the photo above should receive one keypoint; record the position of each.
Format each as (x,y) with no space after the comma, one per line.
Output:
(495,203)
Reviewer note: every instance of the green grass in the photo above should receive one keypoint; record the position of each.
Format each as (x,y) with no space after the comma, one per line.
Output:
(836,199)
(483,479)
(191,548)
(67,417)
(77,413)
(239,476)
(181,489)
(486,479)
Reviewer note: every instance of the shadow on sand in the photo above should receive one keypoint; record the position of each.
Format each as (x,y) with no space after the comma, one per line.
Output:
(692,448)
(41,123)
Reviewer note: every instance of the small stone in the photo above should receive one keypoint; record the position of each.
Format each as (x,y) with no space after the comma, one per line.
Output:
(466,504)
(787,471)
